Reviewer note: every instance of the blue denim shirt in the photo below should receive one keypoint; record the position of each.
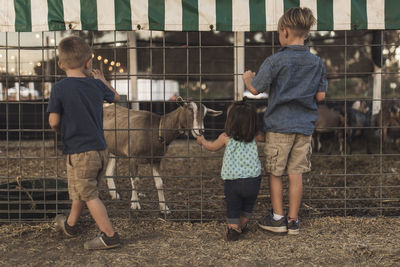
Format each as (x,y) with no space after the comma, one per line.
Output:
(294,76)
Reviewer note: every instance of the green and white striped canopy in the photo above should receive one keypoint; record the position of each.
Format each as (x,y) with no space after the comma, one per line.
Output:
(191,15)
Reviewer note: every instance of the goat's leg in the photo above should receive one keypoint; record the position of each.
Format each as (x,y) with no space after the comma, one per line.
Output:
(340,137)
(110,171)
(349,139)
(133,167)
(135,205)
(319,144)
(367,134)
(313,141)
(384,139)
(160,189)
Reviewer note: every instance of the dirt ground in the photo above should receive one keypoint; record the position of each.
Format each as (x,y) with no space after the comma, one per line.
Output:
(193,233)
(328,241)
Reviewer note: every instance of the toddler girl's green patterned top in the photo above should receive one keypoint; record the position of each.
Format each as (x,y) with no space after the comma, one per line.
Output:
(240,160)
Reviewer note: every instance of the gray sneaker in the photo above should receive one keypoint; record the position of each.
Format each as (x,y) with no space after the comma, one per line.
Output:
(268,223)
(103,242)
(60,222)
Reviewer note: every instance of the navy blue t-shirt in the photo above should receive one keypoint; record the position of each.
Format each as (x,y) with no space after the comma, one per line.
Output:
(79,101)
(294,76)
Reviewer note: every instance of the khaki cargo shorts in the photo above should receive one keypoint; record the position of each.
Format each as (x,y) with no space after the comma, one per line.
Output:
(84,171)
(287,153)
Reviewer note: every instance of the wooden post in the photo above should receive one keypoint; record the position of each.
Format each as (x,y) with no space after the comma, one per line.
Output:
(377,90)
(132,52)
(239,64)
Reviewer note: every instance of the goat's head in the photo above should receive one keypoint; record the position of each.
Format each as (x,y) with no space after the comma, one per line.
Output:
(192,117)
(395,112)
(361,106)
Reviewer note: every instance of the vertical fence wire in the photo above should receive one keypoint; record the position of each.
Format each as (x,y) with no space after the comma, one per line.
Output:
(152,76)
(7,136)
(187,123)
(201,151)
(19,173)
(163,114)
(130,161)
(345,125)
(380,130)
(55,138)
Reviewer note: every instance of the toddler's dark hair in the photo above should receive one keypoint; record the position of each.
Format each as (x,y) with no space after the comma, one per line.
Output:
(241,121)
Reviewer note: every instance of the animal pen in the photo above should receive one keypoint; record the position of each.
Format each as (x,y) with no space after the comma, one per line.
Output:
(154,52)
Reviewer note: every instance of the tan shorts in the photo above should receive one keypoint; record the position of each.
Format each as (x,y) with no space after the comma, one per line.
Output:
(84,171)
(287,153)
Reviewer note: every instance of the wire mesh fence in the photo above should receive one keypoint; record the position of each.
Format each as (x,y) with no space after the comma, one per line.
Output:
(355,166)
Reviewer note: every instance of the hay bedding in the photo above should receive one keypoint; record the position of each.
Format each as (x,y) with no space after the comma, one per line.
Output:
(329,241)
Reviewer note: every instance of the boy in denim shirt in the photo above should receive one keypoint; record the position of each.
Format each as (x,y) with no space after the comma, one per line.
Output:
(76,109)
(296,80)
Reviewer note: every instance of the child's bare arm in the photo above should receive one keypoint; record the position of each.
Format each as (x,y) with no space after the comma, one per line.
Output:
(220,142)
(320,96)
(260,137)
(54,121)
(248,78)
(97,74)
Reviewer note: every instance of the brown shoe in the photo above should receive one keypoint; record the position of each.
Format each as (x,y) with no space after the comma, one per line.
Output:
(232,234)
(245,229)
(103,242)
(61,225)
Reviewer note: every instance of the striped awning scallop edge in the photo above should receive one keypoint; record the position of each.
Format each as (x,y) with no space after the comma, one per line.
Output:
(191,15)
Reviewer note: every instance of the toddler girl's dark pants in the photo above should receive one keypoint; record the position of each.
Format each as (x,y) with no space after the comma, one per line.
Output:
(241,195)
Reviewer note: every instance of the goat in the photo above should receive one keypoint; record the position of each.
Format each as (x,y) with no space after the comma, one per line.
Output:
(328,121)
(146,138)
(358,117)
(390,125)
(392,129)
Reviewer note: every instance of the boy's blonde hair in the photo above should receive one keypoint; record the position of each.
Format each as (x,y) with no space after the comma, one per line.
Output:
(74,52)
(299,20)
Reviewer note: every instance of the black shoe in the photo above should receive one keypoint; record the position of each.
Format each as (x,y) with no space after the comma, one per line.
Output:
(268,223)
(62,226)
(245,229)
(232,234)
(293,227)
(103,242)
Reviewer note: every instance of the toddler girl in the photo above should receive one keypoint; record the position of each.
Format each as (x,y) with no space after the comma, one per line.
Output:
(241,166)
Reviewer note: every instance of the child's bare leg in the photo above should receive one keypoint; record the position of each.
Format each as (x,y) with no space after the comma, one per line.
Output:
(275,184)
(76,211)
(99,214)
(295,194)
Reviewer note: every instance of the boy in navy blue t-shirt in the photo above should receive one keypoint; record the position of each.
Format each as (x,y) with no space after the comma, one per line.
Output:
(296,80)
(76,109)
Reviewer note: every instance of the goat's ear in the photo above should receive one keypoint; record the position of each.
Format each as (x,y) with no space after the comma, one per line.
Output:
(213,113)
(180,101)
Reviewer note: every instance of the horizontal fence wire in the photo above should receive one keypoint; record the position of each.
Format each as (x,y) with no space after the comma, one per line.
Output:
(33,184)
